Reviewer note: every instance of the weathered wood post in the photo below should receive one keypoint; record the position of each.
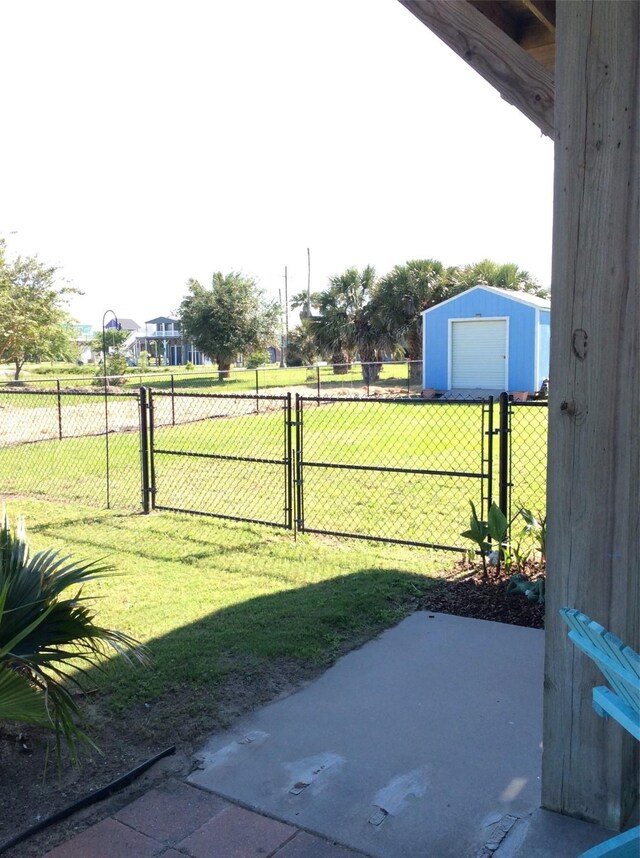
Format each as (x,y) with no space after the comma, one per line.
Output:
(590,765)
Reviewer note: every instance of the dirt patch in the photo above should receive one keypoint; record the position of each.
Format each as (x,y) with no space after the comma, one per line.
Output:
(186,719)
(33,787)
(468,593)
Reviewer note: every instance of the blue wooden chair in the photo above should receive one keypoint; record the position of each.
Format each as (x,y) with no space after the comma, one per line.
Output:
(621,701)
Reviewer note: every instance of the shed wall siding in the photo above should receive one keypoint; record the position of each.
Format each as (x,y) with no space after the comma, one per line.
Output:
(544,340)
(521,355)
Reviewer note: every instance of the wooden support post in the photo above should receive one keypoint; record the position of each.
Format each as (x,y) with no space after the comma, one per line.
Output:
(589,764)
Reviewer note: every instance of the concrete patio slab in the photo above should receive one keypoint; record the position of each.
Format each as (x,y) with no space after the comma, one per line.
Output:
(425,742)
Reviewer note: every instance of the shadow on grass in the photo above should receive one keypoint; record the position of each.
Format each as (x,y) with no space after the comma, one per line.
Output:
(209,672)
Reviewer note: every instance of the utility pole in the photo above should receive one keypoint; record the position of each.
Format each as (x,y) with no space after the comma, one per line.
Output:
(281,330)
(285,343)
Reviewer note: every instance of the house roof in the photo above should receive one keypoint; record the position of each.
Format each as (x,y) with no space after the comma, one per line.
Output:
(125,324)
(160,320)
(509,294)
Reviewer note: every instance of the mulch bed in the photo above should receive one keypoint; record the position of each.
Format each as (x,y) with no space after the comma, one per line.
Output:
(467,593)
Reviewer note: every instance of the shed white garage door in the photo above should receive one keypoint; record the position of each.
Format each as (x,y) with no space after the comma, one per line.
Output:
(479,353)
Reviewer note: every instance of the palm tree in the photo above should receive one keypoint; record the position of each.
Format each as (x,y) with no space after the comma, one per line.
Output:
(346,325)
(399,300)
(304,302)
(47,637)
(501,276)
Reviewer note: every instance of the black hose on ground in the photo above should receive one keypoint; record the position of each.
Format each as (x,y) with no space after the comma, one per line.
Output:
(96,795)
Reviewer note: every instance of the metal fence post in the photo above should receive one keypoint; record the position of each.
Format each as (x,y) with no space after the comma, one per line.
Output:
(318,382)
(288,451)
(106,440)
(173,401)
(489,456)
(59,409)
(257,392)
(151,448)
(144,451)
(299,516)
(408,378)
(503,472)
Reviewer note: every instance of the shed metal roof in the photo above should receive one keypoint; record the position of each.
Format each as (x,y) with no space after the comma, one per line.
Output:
(510,294)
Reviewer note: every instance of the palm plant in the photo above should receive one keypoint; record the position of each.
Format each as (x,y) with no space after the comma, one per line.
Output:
(346,325)
(501,276)
(48,638)
(304,302)
(399,300)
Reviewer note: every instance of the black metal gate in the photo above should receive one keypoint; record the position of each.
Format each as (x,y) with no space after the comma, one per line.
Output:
(388,470)
(392,470)
(222,455)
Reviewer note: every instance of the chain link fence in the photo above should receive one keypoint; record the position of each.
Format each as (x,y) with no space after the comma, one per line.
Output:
(378,467)
(394,470)
(222,455)
(528,426)
(387,378)
(79,444)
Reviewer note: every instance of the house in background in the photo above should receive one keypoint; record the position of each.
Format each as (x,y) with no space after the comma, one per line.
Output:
(486,339)
(122,325)
(82,336)
(129,325)
(162,339)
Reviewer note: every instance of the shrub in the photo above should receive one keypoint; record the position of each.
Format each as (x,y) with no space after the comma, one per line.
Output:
(257,359)
(44,629)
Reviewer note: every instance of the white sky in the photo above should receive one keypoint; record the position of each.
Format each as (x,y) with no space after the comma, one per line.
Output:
(145,142)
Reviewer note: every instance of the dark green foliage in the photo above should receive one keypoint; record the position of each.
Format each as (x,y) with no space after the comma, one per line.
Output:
(33,322)
(48,636)
(231,317)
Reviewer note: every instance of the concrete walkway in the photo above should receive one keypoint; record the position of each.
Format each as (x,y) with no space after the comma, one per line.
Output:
(425,742)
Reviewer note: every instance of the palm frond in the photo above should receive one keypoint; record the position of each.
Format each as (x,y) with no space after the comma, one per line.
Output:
(48,639)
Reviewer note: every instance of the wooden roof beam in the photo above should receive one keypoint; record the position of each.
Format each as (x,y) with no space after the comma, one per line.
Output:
(545,12)
(521,80)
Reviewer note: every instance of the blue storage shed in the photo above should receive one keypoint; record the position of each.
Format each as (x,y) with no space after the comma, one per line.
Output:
(486,339)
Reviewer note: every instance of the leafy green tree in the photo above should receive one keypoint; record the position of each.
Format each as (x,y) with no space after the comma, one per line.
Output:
(116,362)
(114,340)
(33,320)
(44,630)
(229,318)
(346,325)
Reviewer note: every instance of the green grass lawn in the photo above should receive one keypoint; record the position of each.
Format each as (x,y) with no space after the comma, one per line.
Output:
(232,613)
(205,378)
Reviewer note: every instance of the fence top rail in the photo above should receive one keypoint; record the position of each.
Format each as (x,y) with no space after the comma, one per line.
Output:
(406,400)
(87,379)
(198,371)
(194,394)
(533,403)
(89,391)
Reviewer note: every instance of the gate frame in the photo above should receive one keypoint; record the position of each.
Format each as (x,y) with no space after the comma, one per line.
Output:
(486,478)
(149,490)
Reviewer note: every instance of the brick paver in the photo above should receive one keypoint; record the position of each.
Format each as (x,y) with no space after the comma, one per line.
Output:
(172,811)
(237,833)
(107,839)
(306,845)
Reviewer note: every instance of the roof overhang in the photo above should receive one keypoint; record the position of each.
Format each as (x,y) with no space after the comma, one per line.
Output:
(511,43)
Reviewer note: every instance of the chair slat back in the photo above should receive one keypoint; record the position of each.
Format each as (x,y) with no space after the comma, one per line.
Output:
(618,662)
